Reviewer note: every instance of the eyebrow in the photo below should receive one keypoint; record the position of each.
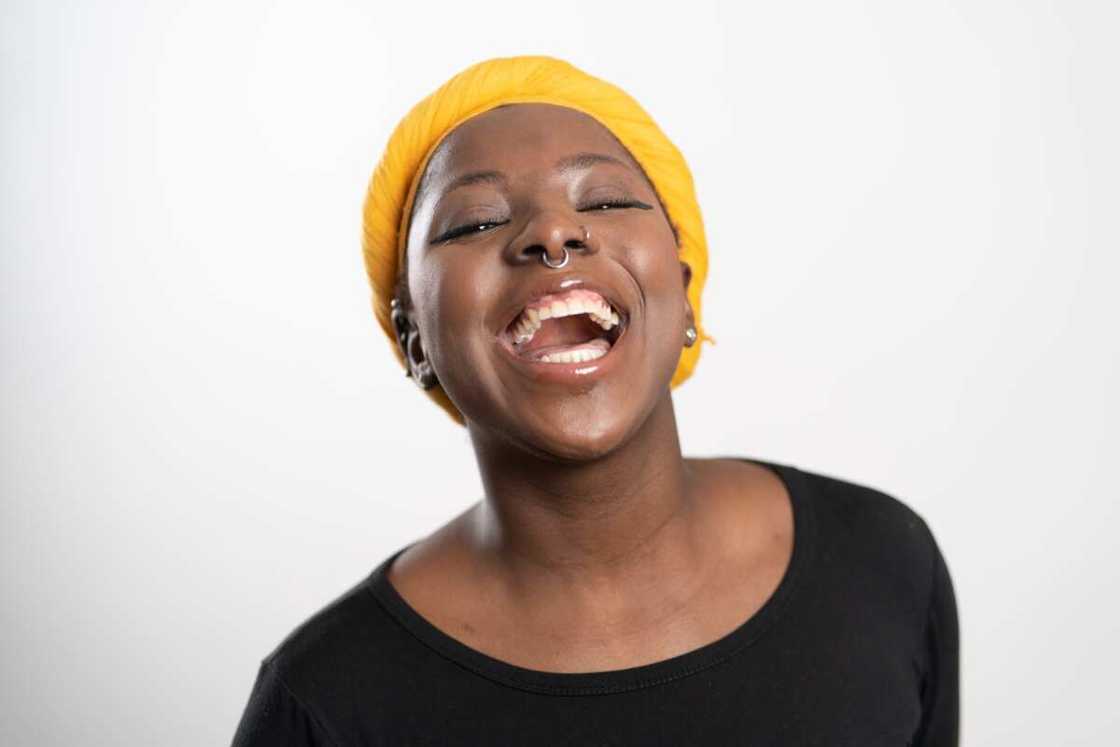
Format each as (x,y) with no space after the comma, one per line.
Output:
(585,161)
(574,162)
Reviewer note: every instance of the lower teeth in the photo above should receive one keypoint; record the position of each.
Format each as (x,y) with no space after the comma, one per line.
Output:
(573,356)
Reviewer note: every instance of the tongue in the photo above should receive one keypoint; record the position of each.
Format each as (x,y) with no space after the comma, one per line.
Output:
(564,332)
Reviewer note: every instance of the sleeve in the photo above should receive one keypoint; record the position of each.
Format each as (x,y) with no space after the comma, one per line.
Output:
(940,690)
(275,717)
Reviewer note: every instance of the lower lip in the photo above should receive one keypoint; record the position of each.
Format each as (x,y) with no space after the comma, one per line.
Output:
(582,372)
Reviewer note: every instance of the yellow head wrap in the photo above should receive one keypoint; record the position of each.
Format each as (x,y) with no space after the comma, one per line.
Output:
(508,80)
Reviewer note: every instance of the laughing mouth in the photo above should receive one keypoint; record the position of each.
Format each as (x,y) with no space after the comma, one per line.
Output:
(570,327)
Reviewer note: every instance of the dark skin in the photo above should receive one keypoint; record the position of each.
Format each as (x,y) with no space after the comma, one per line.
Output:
(597,546)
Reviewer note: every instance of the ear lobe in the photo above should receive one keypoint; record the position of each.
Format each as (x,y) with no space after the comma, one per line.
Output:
(401,326)
(419,369)
(690,318)
(686,276)
(400,323)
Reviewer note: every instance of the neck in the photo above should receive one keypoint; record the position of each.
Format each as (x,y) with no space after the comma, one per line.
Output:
(596,525)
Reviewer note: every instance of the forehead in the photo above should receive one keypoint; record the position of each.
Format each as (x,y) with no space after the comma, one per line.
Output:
(520,137)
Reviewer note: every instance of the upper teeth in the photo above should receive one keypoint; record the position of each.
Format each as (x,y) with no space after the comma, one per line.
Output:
(591,304)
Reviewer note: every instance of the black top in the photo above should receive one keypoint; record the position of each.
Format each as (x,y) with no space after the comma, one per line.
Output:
(857,646)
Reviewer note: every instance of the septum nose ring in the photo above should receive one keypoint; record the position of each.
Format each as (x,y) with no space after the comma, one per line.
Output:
(558,265)
(567,256)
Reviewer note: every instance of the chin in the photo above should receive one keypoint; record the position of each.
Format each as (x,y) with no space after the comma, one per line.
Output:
(579,421)
(576,431)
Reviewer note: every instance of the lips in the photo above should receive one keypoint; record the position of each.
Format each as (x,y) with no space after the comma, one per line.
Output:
(573,326)
(564,330)
(568,372)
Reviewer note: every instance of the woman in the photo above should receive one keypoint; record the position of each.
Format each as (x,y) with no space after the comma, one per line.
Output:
(537,258)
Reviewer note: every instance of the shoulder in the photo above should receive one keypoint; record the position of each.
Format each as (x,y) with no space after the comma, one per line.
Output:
(299,684)
(861,511)
(346,638)
(875,535)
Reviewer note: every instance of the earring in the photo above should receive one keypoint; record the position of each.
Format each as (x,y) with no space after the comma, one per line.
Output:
(690,336)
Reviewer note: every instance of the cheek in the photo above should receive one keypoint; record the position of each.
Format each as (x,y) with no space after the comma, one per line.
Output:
(658,273)
(451,293)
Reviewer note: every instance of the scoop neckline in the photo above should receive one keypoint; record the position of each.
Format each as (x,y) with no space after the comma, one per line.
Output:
(631,678)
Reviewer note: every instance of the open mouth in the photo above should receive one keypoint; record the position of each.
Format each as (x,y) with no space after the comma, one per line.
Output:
(575,326)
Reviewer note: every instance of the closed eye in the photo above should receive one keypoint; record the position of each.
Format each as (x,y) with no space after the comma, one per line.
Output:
(482,226)
(614,203)
(468,228)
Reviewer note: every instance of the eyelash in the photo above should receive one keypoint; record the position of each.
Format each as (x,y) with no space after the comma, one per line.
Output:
(455,233)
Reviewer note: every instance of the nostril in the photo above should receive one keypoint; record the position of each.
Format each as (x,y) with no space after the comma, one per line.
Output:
(534,252)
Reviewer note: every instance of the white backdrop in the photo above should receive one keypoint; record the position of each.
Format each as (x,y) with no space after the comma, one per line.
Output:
(911,210)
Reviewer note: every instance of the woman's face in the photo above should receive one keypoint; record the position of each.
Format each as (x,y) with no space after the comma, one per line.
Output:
(504,188)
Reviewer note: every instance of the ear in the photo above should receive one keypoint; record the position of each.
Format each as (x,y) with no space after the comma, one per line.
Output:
(408,339)
(690,318)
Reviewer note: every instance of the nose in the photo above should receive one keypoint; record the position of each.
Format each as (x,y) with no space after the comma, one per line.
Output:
(546,237)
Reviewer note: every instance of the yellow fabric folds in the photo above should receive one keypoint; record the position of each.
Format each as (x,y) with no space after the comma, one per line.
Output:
(508,80)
